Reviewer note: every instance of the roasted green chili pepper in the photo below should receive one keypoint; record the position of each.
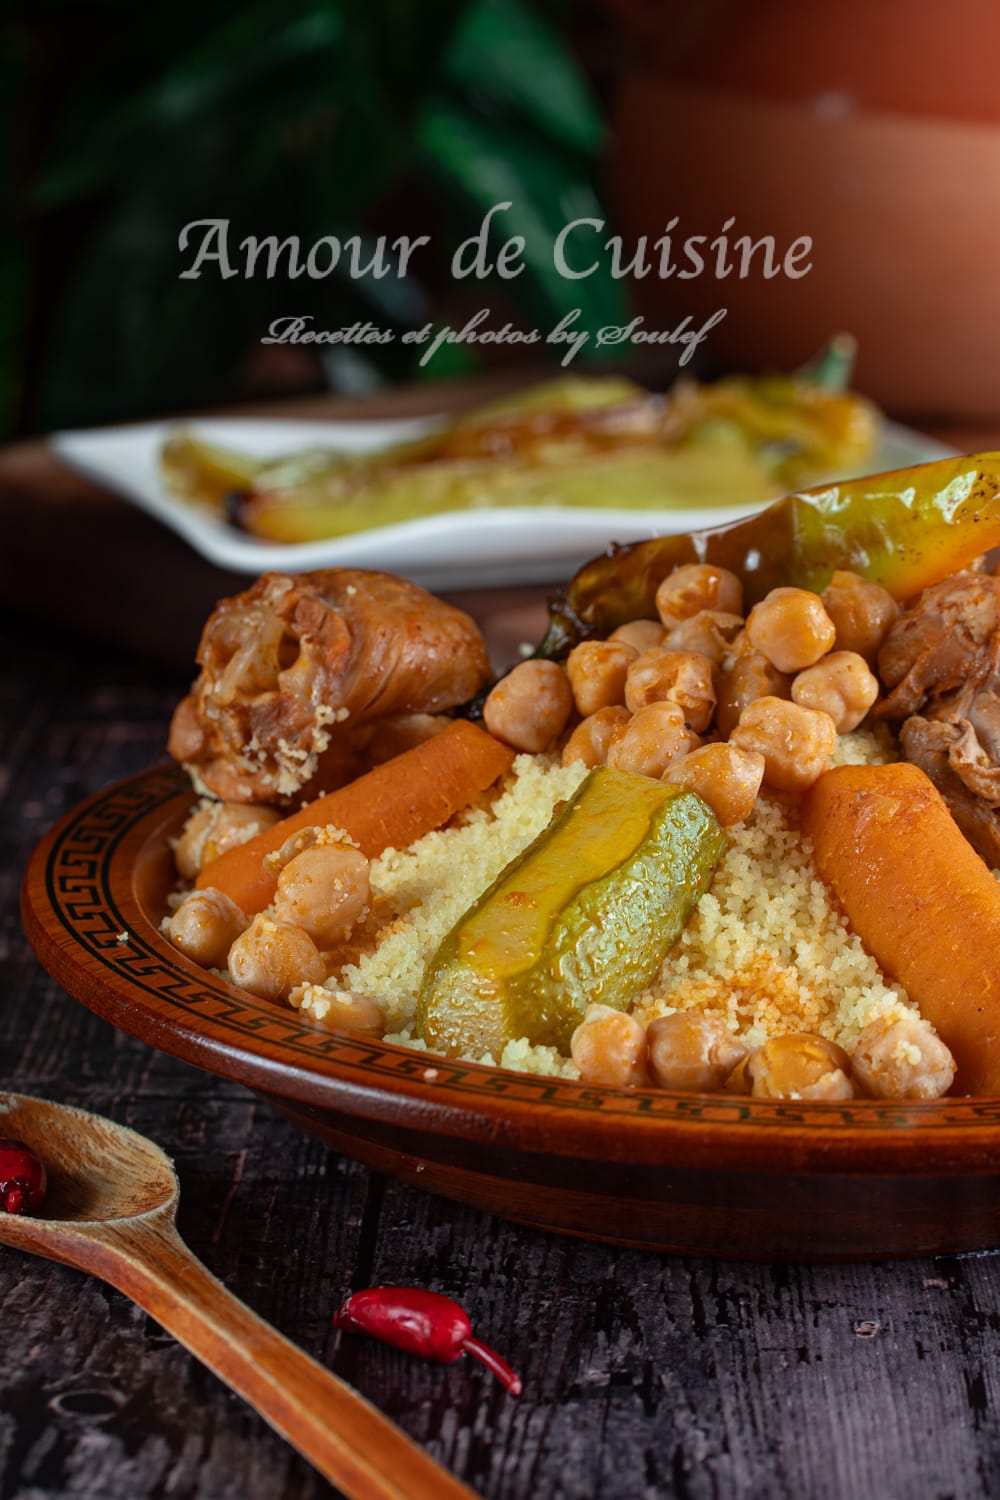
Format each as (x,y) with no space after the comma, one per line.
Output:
(906,530)
(572,442)
(586,913)
(807,425)
(198,470)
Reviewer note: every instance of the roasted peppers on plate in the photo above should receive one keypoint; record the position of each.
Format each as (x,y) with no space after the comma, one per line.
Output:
(593,443)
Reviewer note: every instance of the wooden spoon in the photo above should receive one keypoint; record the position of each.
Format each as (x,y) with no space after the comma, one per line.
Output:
(110,1210)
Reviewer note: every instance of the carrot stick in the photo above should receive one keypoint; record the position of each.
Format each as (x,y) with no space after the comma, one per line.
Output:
(921,900)
(390,806)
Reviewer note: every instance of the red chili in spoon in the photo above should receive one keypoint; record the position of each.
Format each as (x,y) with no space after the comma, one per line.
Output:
(420,1322)
(22,1178)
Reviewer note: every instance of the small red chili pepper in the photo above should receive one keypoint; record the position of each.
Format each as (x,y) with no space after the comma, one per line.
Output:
(420,1322)
(22,1178)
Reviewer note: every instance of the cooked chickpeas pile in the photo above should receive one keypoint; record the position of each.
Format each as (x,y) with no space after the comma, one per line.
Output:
(896,1057)
(323,892)
(706,697)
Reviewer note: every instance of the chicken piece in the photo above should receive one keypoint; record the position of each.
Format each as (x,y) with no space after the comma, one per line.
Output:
(941,661)
(296,671)
(931,744)
(928,744)
(947,642)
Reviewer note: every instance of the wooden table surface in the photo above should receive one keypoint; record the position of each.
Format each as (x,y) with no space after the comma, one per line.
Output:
(644,1375)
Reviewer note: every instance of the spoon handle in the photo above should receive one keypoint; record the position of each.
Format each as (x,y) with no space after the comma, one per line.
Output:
(337,1430)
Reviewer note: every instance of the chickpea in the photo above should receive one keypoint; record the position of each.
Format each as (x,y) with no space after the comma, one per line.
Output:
(683,677)
(799,1066)
(205,926)
(710,632)
(791,628)
(689,1051)
(324,890)
(745,677)
(235,824)
(840,685)
(341,1010)
(796,742)
(187,850)
(727,777)
(863,613)
(651,739)
(211,830)
(596,672)
(639,633)
(593,736)
(272,957)
(530,707)
(609,1047)
(900,1057)
(697,586)
(295,844)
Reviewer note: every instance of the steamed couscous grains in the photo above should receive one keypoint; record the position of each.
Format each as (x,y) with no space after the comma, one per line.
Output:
(767,951)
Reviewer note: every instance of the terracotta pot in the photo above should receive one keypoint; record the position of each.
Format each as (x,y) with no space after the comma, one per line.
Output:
(876,131)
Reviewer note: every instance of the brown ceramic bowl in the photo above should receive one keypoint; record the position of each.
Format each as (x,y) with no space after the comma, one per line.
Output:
(699,1174)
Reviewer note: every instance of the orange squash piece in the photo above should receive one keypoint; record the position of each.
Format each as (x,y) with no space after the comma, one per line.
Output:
(921,900)
(390,806)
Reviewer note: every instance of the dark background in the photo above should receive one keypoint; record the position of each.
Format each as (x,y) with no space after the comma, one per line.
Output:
(325,117)
(873,128)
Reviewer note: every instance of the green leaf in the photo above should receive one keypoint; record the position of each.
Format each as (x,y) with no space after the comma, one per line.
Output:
(510,55)
(236,64)
(486,163)
(319,117)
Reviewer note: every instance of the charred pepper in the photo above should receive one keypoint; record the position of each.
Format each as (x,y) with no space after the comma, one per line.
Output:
(905,530)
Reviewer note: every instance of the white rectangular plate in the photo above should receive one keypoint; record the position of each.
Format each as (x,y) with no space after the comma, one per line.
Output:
(462,549)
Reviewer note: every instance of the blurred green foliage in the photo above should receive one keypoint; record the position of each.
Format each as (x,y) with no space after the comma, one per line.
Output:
(324,117)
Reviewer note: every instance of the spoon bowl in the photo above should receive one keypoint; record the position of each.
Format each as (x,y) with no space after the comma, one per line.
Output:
(110,1209)
(97,1171)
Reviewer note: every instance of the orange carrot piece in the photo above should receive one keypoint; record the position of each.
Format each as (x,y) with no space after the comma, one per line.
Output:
(921,900)
(390,806)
